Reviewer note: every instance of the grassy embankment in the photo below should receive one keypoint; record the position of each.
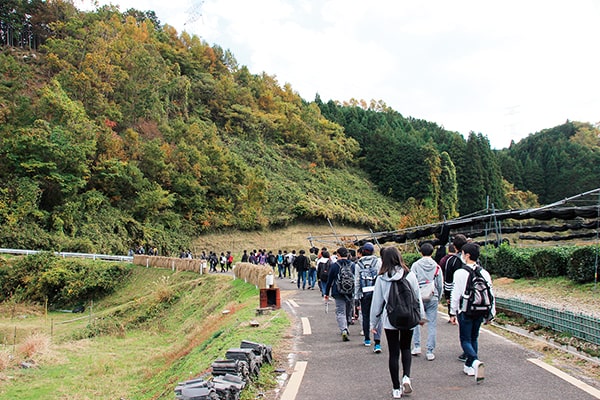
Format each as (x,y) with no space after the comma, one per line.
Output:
(157,329)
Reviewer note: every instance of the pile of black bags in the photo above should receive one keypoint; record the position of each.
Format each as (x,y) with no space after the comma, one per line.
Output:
(229,376)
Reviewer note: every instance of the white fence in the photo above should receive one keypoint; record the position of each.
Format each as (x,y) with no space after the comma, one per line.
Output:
(105,257)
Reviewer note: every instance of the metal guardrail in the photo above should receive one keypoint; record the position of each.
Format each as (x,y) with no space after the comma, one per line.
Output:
(581,326)
(63,254)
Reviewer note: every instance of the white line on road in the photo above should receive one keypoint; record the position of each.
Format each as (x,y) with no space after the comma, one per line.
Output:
(573,381)
(291,389)
(293,303)
(306,330)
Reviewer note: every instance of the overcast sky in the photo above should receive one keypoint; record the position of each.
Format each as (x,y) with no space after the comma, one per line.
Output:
(504,69)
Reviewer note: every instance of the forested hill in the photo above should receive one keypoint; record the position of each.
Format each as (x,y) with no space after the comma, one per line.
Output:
(116,130)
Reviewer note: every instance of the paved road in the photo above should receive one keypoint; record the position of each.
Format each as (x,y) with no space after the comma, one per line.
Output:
(337,370)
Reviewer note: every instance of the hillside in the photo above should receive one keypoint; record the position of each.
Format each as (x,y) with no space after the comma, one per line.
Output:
(116,132)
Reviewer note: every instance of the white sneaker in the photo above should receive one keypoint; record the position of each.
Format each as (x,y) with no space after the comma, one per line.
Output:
(406,386)
(416,351)
(397,394)
(479,371)
(430,356)
(469,371)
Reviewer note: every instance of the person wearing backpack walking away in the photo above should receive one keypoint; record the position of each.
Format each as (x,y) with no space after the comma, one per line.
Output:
(367,268)
(340,283)
(449,266)
(301,264)
(429,275)
(290,257)
(471,311)
(312,270)
(229,261)
(393,269)
(280,269)
(323,266)
(272,260)
(222,261)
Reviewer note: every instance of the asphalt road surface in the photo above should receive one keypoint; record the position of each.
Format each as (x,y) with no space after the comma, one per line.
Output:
(327,368)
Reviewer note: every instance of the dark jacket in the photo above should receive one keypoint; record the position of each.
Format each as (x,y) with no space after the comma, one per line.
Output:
(334,271)
(301,263)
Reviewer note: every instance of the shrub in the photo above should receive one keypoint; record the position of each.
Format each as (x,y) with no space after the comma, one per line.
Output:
(63,282)
(410,258)
(513,263)
(20,277)
(487,259)
(582,264)
(551,262)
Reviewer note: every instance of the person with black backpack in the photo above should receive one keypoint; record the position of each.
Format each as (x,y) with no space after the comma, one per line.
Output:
(323,266)
(451,264)
(367,269)
(397,289)
(301,264)
(340,283)
(471,304)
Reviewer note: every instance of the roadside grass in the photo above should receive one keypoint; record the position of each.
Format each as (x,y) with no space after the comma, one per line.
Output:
(158,329)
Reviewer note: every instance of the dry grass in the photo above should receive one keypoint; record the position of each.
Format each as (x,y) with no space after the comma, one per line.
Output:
(163,290)
(34,345)
(286,238)
(5,360)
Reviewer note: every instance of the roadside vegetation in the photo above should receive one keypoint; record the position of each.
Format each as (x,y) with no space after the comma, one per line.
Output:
(156,329)
(151,328)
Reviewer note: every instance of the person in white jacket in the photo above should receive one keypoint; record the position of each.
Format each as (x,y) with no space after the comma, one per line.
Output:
(393,268)
(429,275)
(468,326)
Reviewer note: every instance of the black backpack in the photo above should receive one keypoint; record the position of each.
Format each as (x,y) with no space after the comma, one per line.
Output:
(324,273)
(345,278)
(402,306)
(477,299)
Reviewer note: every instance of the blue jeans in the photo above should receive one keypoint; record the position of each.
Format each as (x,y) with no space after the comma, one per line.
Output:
(312,277)
(468,331)
(302,275)
(323,286)
(365,309)
(431,312)
(281,270)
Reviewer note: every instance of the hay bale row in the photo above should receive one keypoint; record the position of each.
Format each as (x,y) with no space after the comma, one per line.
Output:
(177,264)
(254,274)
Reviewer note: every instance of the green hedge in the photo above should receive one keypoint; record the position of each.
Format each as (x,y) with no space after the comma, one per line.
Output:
(410,258)
(551,262)
(582,264)
(511,262)
(576,263)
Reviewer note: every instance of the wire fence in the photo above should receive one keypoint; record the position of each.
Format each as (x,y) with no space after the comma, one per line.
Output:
(579,325)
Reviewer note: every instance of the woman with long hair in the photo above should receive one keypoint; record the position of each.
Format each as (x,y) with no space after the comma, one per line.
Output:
(393,268)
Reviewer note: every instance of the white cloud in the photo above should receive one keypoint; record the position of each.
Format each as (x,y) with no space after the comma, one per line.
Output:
(504,69)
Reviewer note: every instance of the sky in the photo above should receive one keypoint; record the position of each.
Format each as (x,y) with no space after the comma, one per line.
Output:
(503,69)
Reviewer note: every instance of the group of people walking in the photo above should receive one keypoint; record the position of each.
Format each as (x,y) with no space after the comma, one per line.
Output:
(365,282)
